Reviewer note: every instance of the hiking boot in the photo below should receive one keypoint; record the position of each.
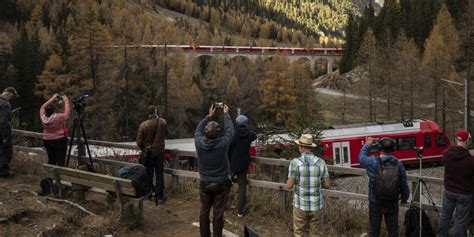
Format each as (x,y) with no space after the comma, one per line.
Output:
(162,200)
(7,174)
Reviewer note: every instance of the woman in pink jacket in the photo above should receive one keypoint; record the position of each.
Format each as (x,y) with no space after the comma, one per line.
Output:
(55,130)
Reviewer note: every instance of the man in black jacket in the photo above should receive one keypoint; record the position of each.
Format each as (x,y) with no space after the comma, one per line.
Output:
(239,157)
(212,149)
(6,150)
(458,177)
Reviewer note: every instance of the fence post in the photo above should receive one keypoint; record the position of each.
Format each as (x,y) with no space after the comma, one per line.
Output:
(175,177)
(283,194)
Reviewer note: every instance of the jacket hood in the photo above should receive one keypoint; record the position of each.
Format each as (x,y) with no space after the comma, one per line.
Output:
(207,144)
(242,131)
(457,152)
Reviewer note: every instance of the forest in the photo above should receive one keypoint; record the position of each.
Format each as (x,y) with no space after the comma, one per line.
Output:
(411,51)
(61,46)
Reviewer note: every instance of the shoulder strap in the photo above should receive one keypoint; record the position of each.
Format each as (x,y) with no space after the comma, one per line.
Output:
(156,130)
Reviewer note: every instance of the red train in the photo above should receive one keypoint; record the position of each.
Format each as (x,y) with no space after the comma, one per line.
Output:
(342,144)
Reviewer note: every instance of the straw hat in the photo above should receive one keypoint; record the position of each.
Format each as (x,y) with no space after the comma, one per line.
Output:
(305,140)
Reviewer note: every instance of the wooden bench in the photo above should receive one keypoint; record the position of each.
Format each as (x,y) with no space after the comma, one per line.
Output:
(117,185)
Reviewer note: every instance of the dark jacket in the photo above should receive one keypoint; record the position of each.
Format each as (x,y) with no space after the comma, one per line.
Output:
(458,170)
(145,135)
(212,153)
(5,121)
(371,164)
(239,151)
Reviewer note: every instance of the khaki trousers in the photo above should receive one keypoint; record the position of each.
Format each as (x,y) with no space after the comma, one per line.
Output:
(306,222)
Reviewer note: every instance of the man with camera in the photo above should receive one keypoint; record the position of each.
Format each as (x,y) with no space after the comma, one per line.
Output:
(387,185)
(6,149)
(151,141)
(54,129)
(214,171)
(458,180)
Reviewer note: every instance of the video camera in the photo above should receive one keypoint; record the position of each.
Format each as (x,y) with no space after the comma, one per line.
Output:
(79,104)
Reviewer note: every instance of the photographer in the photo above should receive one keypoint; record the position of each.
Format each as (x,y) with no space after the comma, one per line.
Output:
(151,141)
(212,148)
(387,185)
(6,149)
(54,129)
(239,158)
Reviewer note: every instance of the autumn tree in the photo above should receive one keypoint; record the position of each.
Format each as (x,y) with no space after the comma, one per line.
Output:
(439,57)
(277,92)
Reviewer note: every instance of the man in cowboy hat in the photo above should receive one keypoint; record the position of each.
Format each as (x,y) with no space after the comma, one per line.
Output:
(307,173)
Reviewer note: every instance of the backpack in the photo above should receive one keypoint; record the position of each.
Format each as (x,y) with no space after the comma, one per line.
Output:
(139,177)
(387,181)
(412,220)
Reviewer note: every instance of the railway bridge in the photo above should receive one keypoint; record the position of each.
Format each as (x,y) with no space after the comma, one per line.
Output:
(330,55)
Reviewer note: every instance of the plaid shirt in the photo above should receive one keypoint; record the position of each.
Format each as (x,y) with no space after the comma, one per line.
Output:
(307,171)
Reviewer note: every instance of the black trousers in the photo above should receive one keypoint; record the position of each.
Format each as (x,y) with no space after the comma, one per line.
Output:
(56,150)
(387,210)
(156,169)
(242,192)
(213,195)
(6,152)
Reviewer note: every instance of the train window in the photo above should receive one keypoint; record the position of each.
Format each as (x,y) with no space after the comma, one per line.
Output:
(427,141)
(337,153)
(406,143)
(440,141)
(346,155)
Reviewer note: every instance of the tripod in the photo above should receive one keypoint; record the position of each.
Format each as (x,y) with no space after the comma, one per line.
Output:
(79,126)
(419,187)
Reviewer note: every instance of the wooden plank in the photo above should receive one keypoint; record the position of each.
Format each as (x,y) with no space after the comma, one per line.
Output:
(90,176)
(95,184)
(185,173)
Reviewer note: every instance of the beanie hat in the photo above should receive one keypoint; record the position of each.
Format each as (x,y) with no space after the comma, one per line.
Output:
(241,120)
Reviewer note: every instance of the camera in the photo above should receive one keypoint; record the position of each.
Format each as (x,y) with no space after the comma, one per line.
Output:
(219,105)
(79,104)
(60,98)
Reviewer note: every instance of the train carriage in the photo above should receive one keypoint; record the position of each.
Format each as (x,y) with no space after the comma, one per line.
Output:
(341,145)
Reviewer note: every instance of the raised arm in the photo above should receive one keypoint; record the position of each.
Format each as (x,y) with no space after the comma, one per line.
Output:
(229,127)
(43,107)
(200,128)
(363,154)
(67,107)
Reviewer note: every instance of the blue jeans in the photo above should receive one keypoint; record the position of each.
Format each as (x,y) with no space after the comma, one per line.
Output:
(387,210)
(462,203)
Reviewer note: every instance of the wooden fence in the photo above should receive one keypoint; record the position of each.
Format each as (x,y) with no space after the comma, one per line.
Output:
(283,164)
